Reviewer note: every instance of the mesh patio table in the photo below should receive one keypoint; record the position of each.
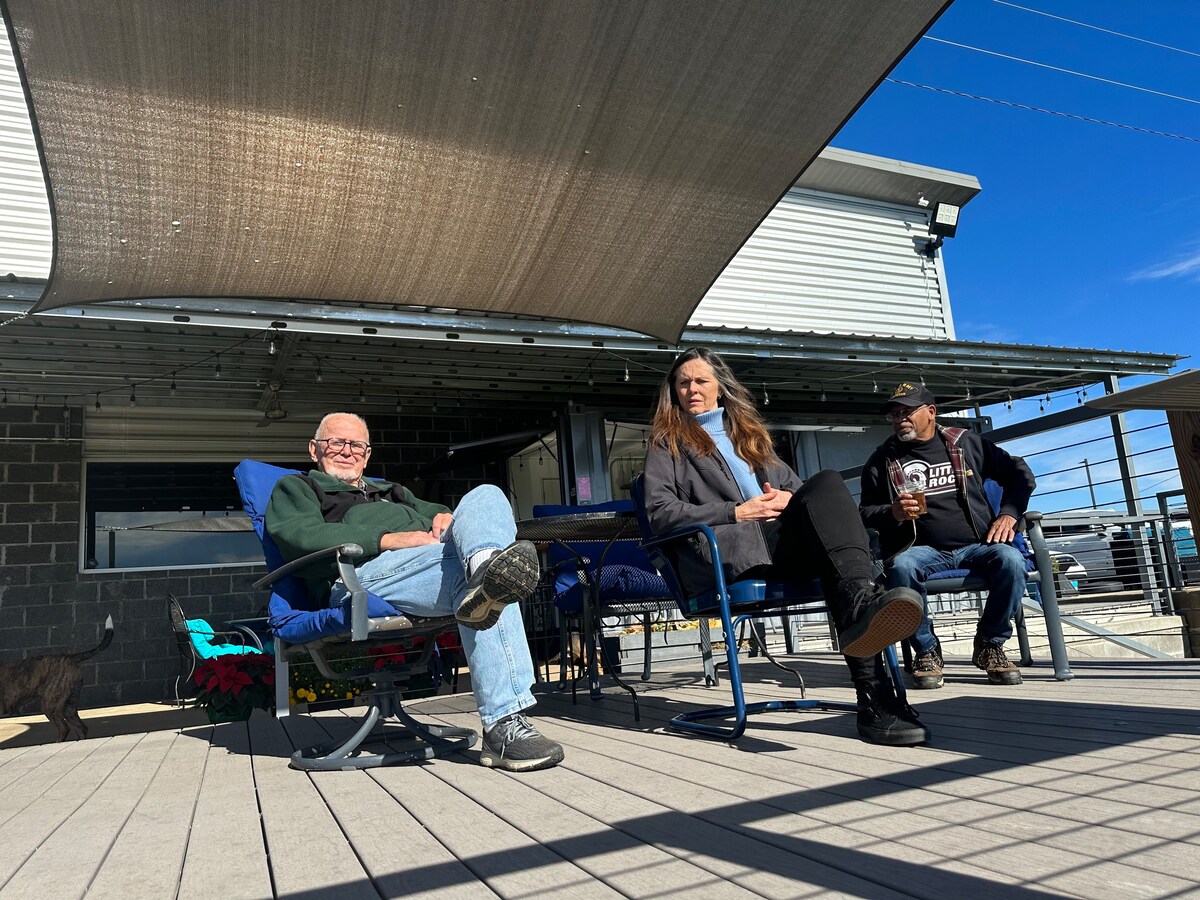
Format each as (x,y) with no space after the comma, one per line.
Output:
(577,528)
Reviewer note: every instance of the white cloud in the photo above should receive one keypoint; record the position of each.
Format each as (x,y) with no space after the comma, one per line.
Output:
(1186,265)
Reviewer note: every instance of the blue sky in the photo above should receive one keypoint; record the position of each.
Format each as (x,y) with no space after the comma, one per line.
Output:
(1084,235)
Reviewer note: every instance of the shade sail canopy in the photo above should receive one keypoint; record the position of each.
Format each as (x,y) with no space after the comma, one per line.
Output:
(593,161)
(1179,393)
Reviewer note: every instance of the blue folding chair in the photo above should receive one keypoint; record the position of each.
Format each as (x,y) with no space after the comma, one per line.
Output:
(736,603)
(953,581)
(305,627)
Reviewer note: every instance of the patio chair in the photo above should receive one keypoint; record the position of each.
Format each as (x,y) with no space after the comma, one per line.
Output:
(736,603)
(196,641)
(629,585)
(304,627)
(954,581)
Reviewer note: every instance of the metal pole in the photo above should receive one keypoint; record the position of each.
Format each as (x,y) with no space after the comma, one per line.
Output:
(1087,470)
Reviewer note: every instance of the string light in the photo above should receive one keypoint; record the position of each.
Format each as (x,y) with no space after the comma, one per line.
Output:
(66,409)
(4,399)
(98,403)
(435,407)
(217,372)
(133,396)
(1042,406)
(591,381)
(1078,399)
(874,386)
(271,347)
(1008,401)
(823,392)
(320,374)
(766,396)
(35,402)
(626,371)
(1085,395)
(362,392)
(968,387)
(399,407)
(1047,398)
(172,384)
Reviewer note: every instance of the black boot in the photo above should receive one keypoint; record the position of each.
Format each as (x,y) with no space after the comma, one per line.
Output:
(872,619)
(883,719)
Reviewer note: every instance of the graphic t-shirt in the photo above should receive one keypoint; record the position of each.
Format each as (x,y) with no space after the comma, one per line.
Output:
(945,525)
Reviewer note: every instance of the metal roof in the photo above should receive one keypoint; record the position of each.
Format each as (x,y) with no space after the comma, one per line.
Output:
(598,160)
(420,358)
(838,171)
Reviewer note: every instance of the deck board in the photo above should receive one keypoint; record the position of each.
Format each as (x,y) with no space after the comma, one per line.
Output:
(1089,788)
(226,832)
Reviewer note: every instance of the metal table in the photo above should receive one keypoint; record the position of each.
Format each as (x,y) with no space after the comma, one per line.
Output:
(577,528)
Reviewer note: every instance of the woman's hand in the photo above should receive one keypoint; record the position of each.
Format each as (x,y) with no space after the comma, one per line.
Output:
(766,507)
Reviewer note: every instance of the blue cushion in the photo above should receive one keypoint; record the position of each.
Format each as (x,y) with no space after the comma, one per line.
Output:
(201,634)
(294,617)
(618,583)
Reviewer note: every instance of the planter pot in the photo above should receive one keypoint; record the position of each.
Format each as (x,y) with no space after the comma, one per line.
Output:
(217,716)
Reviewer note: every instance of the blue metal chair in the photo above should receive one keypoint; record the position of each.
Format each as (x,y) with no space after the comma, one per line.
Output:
(304,627)
(736,603)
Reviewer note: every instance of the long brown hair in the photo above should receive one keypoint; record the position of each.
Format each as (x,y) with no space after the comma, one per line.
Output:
(674,428)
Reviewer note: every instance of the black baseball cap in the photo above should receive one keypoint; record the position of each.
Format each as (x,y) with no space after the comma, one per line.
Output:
(909,394)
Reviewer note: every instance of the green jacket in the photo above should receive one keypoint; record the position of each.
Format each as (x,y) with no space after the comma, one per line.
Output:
(302,520)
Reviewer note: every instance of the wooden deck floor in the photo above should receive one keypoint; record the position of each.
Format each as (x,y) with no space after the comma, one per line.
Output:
(1089,788)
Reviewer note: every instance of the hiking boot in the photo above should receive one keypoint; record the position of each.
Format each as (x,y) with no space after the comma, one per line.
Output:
(515,745)
(508,577)
(927,669)
(883,719)
(990,657)
(877,618)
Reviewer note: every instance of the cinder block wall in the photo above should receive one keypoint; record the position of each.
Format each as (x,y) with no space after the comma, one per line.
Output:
(48,605)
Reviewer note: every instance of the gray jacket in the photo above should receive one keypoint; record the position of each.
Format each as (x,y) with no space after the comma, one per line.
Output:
(692,490)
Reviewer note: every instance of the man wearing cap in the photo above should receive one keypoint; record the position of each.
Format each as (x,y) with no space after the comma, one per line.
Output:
(959,530)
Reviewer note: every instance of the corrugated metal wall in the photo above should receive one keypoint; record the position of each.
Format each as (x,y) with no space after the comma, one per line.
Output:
(25,238)
(827,263)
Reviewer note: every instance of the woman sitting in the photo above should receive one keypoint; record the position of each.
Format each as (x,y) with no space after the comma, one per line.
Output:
(711,461)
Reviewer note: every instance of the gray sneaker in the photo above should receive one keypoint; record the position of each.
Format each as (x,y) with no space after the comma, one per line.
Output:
(508,577)
(515,745)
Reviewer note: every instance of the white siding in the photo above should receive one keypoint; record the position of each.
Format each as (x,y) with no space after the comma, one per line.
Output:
(25,238)
(827,263)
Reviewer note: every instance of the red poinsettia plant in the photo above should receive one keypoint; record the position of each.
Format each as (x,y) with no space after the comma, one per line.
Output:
(233,686)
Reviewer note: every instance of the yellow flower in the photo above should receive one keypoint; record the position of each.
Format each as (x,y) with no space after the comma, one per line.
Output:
(349,696)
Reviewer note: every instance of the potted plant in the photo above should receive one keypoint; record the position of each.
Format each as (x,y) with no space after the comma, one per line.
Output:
(233,686)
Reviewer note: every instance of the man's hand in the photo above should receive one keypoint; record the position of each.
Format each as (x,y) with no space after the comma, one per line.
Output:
(905,507)
(1003,530)
(440,523)
(766,507)
(402,540)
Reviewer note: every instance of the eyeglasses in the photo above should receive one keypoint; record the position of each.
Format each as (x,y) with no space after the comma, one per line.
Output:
(895,416)
(338,445)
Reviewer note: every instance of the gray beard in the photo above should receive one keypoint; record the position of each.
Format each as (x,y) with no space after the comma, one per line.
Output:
(907,436)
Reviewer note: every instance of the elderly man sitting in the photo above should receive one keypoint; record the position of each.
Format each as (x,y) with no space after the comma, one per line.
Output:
(426,561)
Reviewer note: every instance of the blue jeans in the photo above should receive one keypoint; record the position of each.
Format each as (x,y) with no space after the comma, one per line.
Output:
(1001,566)
(431,580)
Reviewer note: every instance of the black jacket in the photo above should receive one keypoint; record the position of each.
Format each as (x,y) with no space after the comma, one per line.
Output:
(692,490)
(983,460)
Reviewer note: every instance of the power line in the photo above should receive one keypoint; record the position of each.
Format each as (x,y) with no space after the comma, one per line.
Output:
(1030,62)
(1097,28)
(1049,112)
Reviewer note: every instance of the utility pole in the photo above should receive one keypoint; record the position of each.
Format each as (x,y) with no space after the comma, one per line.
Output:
(1091,490)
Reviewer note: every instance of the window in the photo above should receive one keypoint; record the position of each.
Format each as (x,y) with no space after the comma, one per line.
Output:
(164,515)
